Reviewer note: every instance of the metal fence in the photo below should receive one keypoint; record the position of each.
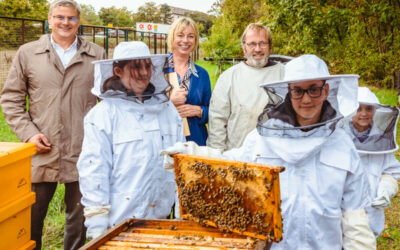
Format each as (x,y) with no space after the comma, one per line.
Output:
(16,31)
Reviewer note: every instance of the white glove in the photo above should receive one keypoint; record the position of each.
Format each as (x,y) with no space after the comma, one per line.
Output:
(96,220)
(189,147)
(179,147)
(356,231)
(382,199)
(93,233)
(387,188)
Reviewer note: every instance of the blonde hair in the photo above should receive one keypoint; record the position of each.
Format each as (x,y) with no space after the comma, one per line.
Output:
(178,26)
(256,27)
(65,3)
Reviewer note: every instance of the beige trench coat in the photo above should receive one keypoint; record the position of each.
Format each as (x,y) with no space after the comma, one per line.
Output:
(58,101)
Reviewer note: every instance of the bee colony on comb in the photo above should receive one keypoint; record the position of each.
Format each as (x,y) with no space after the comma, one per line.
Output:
(232,196)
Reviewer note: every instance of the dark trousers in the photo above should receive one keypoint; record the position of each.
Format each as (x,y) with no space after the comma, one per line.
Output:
(75,231)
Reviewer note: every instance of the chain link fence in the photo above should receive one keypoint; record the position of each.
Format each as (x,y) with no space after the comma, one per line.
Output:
(16,31)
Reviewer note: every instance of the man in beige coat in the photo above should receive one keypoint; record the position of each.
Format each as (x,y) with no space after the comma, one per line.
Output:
(237,99)
(55,73)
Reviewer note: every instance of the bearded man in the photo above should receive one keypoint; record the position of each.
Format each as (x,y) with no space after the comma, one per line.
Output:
(237,99)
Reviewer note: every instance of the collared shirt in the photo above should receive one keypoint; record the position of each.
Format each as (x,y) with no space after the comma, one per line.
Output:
(65,55)
(185,80)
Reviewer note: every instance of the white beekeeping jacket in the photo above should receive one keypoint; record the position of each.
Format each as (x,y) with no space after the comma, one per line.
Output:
(120,165)
(323,185)
(321,181)
(121,171)
(376,151)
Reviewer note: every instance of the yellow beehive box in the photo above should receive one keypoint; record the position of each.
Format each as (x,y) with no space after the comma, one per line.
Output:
(15,219)
(15,170)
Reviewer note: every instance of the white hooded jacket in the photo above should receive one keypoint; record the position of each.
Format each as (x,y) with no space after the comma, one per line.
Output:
(121,173)
(375,163)
(323,188)
(321,181)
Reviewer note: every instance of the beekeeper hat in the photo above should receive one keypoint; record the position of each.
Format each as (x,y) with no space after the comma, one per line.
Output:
(306,68)
(342,96)
(381,137)
(103,69)
(367,96)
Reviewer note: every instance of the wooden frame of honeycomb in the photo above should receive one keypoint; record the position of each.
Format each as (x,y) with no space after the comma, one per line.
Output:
(167,234)
(232,196)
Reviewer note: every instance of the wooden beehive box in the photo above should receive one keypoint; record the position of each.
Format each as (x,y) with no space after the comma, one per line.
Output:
(233,196)
(167,234)
(15,170)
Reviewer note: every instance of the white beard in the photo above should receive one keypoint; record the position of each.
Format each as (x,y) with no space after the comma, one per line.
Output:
(257,63)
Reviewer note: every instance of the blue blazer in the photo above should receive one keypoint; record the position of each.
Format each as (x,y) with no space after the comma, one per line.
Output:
(199,94)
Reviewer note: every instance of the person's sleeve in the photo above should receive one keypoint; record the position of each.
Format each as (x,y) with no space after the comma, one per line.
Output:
(94,167)
(246,151)
(357,233)
(13,101)
(218,114)
(205,98)
(391,166)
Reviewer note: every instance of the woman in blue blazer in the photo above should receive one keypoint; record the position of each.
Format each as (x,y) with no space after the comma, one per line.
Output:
(192,96)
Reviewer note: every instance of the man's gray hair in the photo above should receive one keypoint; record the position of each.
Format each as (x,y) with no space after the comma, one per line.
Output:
(257,27)
(65,3)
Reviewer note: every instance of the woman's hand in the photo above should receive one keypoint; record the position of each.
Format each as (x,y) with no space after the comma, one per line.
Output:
(188,110)
(178,96)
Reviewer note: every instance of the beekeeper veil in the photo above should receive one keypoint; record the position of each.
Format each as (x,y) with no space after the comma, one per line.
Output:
(281,119)
(373,126)
(129,52)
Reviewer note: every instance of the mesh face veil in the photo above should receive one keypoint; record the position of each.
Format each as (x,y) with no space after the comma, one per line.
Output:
(131,52)
(331,97)
(373,126)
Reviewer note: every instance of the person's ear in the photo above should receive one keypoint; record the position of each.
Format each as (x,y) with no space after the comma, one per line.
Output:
(326,91)
(118,71)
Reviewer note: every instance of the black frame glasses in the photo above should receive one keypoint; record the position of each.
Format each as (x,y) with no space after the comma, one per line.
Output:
(72,19)
(297,93)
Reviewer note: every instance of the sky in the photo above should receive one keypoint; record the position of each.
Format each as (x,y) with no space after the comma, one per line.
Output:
(132,5)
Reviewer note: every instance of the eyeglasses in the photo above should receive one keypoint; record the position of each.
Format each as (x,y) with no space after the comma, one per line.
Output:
(297,93)
(70,18)
(253,45)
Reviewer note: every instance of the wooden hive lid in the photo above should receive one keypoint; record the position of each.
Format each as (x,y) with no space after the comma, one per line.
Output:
(167,234)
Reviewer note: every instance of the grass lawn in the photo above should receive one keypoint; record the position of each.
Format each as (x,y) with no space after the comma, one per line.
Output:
(54,223)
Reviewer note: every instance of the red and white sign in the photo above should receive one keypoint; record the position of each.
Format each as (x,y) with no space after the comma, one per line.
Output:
(153,27)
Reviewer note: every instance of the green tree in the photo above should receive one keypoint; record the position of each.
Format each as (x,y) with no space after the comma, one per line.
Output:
(203,20)
(359,37)
(147,13)
(34,9)
(10,30)
(89,16)
(232,18)
(117,17)
(166,14)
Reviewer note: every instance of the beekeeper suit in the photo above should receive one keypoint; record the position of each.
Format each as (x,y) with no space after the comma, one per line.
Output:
(323,189)
(120,171)
(376,145)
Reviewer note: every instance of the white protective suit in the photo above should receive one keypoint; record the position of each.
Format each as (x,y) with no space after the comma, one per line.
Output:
(121,173)
(377,163)
(236,102)
(323,188)
(321,181)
